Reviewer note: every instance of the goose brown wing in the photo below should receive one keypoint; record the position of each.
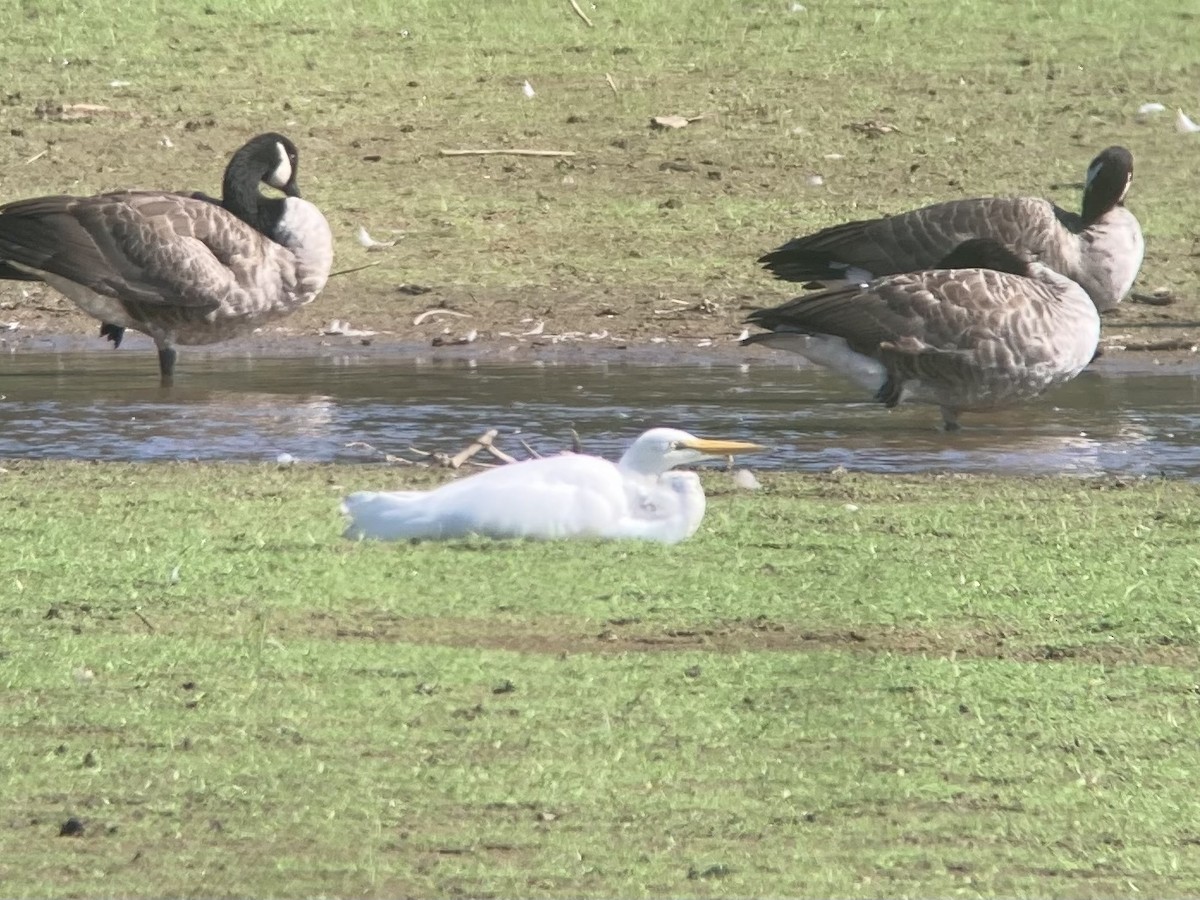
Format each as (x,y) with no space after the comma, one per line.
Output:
(865,316)
(864,319)
(146,248)
(9,273)
(943,309)
(44,234)
(915,240)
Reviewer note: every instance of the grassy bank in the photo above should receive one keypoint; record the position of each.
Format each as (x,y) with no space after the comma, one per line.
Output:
(984,98)
(848,686)
(844,685)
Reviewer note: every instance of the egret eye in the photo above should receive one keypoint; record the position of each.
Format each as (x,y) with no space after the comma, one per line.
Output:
(674,445)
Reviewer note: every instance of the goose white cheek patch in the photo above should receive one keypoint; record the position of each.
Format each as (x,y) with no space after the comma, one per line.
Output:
(282,172)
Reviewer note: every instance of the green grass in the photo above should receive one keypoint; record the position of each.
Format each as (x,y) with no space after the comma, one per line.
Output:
(842,686)
(846,685)
(989,98)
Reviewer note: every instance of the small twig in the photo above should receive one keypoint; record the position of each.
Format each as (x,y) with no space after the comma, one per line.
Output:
(495,451)
(579,12)
(502,456)
(533,453)
(475,446)
(387,457)
(145,621)
(355,269)
(1155,299)
(506,152)
(438,459)
(612,84)
(36,157)
(421,317)
(1183,343)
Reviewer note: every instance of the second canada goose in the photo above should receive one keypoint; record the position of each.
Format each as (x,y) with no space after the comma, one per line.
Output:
(987,331)
(1101,249)
(182,268)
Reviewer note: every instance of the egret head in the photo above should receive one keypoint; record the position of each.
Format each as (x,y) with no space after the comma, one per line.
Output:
(661,449)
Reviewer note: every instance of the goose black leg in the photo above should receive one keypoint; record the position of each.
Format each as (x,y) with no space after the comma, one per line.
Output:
(166,365)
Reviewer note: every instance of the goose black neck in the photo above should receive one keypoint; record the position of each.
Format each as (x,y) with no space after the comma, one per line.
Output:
(240,195)
(1106,188)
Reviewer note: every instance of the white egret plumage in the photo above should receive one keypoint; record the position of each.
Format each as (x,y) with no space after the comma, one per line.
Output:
(568,496)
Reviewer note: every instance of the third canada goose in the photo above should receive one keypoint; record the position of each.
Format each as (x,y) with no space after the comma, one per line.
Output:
(182,268)
(1100,249)
(987,331)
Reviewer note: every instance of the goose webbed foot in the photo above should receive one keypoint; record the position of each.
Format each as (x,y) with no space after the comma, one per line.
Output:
(950,419)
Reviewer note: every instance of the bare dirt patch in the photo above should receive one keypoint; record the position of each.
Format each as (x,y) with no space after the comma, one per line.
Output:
(644,240)
(567,637)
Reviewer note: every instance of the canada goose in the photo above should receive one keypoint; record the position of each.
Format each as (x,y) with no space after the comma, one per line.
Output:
(182,268)
(568,496)
(988,331)
(1100,249)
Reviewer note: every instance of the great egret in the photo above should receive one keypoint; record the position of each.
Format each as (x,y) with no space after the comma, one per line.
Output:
(1101,249)
(568,496)
(987,331)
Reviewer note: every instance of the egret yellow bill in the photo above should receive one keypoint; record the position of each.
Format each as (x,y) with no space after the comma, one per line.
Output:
(568,496)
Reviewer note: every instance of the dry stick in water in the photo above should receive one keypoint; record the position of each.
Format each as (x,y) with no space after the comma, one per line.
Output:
(579,12)
(495,451)
(481,442)
(485,441)
(507,152)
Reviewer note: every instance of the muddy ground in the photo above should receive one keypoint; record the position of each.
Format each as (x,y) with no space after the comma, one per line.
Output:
(580,321)
(641,237)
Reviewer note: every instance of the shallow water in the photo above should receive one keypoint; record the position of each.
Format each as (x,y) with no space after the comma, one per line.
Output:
(108,406)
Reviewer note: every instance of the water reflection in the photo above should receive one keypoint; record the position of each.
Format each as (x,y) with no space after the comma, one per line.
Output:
(104,406)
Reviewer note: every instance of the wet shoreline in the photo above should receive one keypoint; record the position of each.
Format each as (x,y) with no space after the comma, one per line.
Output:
(334,400)
(666,351)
